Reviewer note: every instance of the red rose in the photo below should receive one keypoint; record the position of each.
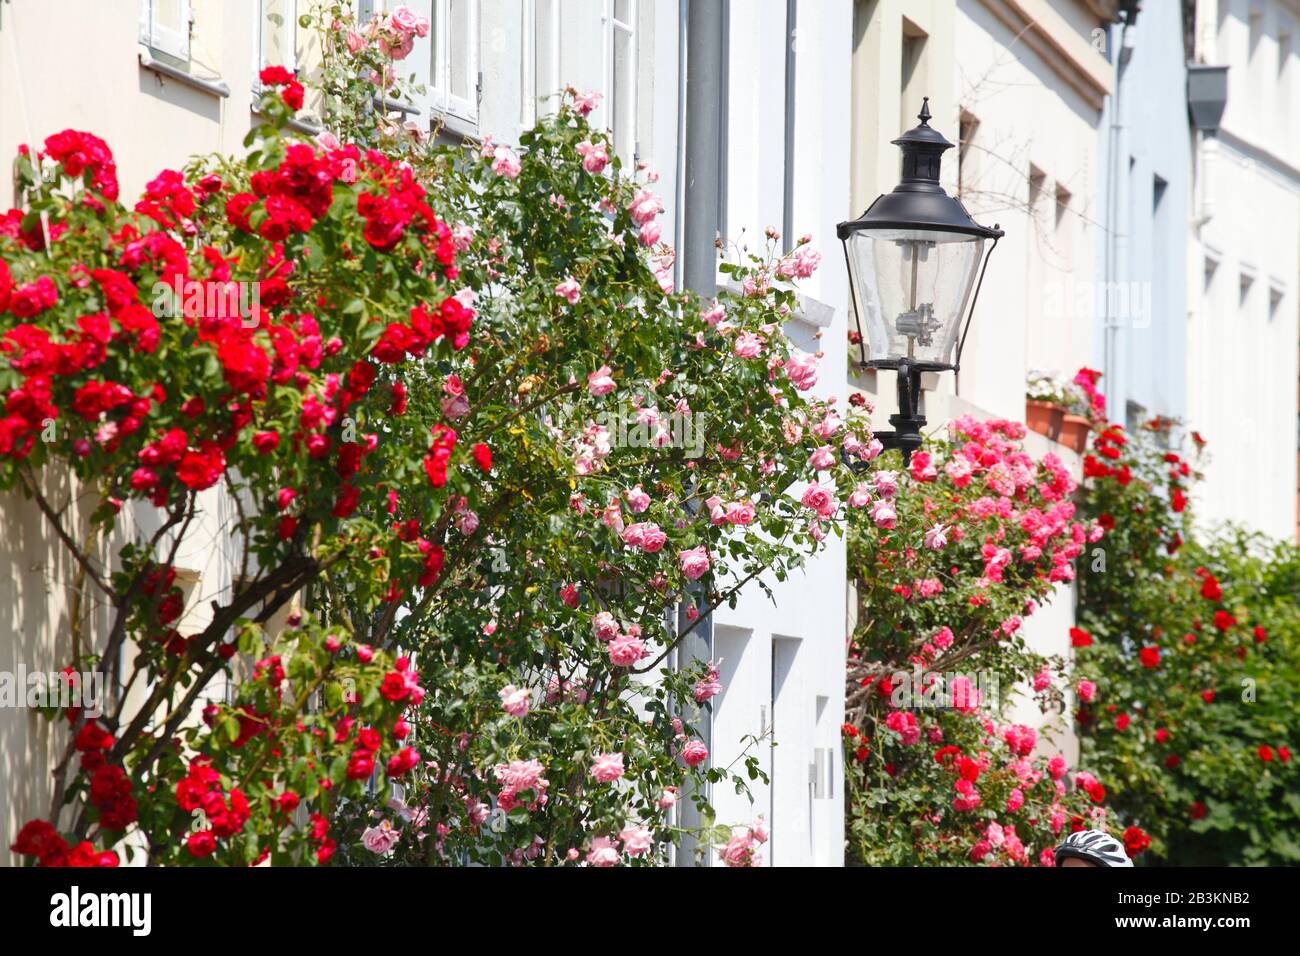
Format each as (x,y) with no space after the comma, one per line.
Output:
(1121,722)
(292,95)
(1197,810)
(1210,589)
(201,468)
(93,737)
(1135,841)
(402,761)
(1178,500)
(1265,753)
(6,285)
(275,75)
(394,686)
(266,441)
(361,765)
(346,503)
(1172,761)
(38,838)
(1223,620)
(1079,637)
(483,456)
(201,844)
(1162,734)
(1207,696)
(1150,656)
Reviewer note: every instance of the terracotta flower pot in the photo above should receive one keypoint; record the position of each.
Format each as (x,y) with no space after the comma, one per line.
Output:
(1044,417)
(1074,433)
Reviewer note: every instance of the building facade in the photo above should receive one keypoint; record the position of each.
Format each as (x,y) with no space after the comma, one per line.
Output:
(161,80)
(1167,256)
(1244,266)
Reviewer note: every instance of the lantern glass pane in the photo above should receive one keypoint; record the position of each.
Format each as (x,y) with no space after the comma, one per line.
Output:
(912,288)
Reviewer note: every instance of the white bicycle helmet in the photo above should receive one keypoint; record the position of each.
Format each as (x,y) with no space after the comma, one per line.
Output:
(1095,847)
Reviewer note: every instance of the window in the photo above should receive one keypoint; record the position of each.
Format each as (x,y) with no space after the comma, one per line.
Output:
(165,27)
(283,41)
(562,56)
(620,75)
(277,39)
(914,82)
(454,75)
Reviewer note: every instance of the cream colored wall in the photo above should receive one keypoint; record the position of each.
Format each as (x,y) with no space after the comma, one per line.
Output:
(1027,116)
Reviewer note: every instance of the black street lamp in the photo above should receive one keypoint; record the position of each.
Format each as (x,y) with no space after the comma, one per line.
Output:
(916,260)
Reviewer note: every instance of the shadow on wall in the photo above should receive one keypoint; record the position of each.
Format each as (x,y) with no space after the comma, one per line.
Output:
(175,93)
(37,574)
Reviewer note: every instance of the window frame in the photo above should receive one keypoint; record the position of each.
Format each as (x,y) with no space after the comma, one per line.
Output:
(168,42)
(612,27)
(441,100)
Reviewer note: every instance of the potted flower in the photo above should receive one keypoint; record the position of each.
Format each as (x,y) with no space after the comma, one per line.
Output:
(1057,408)
(1044,404)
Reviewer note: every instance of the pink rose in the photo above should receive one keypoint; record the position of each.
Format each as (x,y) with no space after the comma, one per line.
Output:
(514,700)
(569,290)
(695,753)
(600,382)
(636,840)
(406,20)
(379,840)
(584,103)
(606,768)
(506,163)
(602,852)
(818,498)
(604,626)
(594,156)
(625,650)
(694,561)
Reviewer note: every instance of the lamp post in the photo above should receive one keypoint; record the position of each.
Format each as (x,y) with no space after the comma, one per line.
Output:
(916,260)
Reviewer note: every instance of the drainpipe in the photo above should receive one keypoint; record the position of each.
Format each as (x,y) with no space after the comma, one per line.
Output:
(703,42)
(1117,174)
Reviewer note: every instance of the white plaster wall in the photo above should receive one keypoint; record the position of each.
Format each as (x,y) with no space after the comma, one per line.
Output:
(1242,347)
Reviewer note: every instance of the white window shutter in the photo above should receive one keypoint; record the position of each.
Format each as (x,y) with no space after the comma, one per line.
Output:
(454,70)
(168,27)
(462,64)
(420,63)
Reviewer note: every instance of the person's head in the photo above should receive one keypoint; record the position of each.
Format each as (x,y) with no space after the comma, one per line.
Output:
(1091,848)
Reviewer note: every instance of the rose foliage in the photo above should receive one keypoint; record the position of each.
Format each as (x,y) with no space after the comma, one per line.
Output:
(1193,645)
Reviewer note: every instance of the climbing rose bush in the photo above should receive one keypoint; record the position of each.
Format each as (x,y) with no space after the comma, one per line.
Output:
(215,349)
(947,558)
(1187,660)
(652,452)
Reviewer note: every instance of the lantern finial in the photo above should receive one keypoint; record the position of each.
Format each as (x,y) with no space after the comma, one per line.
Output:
(924,115)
